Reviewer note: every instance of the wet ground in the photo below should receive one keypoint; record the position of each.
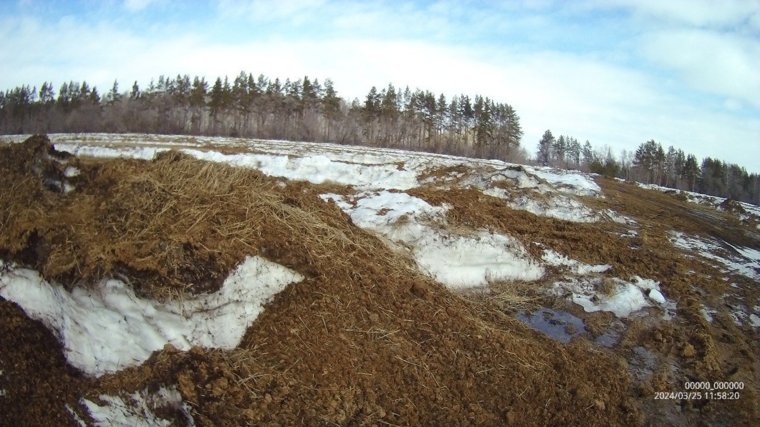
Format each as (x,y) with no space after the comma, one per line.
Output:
(365,339)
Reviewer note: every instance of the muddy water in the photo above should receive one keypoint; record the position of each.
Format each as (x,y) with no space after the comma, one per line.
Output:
(563,326)
(557,324)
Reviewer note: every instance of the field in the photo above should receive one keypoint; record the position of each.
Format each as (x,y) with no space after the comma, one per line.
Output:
(168,280)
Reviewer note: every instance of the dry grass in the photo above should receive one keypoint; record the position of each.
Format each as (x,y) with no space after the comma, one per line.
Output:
(513,296)
(365,338)
(175,225)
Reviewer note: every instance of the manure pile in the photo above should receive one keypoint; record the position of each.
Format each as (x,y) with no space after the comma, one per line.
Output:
(364,337)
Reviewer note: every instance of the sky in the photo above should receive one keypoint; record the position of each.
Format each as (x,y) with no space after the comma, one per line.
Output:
(614,72)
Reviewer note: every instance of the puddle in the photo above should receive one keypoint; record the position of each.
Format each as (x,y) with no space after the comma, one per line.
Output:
(563,327)
(559,325)
(642,364)
(608,339)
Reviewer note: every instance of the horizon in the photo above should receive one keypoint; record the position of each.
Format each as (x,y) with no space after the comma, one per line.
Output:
(615,73)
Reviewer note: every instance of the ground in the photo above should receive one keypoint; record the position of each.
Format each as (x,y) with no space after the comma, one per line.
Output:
(422,290)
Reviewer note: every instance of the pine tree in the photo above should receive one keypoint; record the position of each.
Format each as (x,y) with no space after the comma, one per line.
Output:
(198,92)
(330,100)
(558,148)
(574,152)
(47,96)
(372,103)
(217,97)
(94,97)
(543,155)
(588,154)
(691,172)
(114,95)
(135,94)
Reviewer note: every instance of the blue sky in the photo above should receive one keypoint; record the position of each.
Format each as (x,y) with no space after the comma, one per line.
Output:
(616,72)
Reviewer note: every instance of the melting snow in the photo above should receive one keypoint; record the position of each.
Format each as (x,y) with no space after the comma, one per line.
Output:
(558,260)
(467,261)
(736,259)
(365,168)
(558,206)
(319,169)
(754,320)
(109,328)
(570,181)
(138,410)
(145,153)
(627,297)
(456,260)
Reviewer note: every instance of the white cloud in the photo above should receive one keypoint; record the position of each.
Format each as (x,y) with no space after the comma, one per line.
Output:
(725,64)
(710,46)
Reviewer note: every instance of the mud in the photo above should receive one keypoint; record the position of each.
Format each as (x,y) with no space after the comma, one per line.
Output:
(365,339)
(700,350)
(559,325)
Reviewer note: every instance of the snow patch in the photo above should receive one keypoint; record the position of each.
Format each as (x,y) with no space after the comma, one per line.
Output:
(469,261)
(456,260)
(71,172)
(568,181)
(558,260)
(144,153)
(80,422)
(736,259)
(754,320)
(556,206)
(626,298)
(656,296)
(619,219)
(318,169)
(108,328)
(139,409)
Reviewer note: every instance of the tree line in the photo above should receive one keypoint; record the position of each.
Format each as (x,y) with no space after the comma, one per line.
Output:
(305,109)
(650,163)
(260,107)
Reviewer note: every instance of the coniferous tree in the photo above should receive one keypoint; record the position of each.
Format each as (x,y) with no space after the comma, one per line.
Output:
(113,95)
(304,109)
(135,93)
(543,155)
(47,96)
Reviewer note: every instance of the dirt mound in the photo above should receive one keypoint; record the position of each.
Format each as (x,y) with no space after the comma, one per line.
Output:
(364,339)
(731,205)
(55,169)
(168,226)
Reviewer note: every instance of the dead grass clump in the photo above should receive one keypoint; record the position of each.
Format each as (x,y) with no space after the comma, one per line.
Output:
(607,287)
(514,296)
(444,173)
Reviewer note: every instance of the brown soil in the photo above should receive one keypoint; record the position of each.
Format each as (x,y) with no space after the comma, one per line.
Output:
(364,339)
(35,381)
(696,349)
